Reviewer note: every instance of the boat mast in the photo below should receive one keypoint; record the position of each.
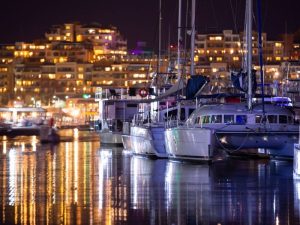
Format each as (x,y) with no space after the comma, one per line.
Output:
(261,56)
(249,51)
(193,37)
(179,41)
(159,39)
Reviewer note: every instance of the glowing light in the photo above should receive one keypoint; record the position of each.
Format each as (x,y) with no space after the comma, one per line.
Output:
(4,147)
(223,140)
(33,143)
(265,138)
(76,133)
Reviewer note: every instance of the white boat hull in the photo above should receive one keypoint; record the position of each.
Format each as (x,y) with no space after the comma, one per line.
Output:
(147,141)
(296,168)
(112,138)
(189,143)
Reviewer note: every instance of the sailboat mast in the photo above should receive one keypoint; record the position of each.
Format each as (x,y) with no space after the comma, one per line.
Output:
(159,39)
(193,37)
(249,52)
(179,41)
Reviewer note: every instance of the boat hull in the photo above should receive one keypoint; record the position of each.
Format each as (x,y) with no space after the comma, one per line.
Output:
(279,144)
(148,141)
(111,138)
(190,143)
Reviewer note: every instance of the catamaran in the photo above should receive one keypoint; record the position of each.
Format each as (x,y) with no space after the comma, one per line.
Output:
(236,127)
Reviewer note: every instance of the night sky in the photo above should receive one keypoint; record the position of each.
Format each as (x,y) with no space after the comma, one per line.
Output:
(138,19)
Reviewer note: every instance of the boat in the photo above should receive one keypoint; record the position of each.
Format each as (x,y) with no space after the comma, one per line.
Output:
(147,139)
(116,111)
(263,127)
(27,121)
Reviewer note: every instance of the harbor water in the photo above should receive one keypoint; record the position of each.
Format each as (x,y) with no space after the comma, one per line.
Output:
(80,182)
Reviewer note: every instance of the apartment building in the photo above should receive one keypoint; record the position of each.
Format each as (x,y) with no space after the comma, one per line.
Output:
(6,73)
(228,47)
(106,42)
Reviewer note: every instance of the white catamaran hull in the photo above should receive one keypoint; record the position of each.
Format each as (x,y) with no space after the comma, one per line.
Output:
(190,143)
(148,141)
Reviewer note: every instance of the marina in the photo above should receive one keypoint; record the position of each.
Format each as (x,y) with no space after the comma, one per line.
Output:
(162,112)
(79,181)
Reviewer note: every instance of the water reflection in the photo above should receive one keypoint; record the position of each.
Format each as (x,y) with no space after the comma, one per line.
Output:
(188,185)
(47,184)
(77,182)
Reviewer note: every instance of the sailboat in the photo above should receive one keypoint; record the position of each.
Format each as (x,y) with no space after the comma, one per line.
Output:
(147,139)
(238,126)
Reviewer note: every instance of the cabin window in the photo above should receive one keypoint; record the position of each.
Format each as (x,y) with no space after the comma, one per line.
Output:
(198,120)
(182,114)
(205,119)
(272,118)
(174,113)
(191,111)
(228,119)
(216,119)
(290,120)
(171,114)
(241,119)
(258,118)
(282,119)
(132,105)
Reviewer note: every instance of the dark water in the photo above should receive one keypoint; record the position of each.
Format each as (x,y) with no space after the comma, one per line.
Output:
(76,182)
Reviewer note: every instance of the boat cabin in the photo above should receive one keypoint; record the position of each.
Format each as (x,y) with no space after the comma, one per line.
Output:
(237,114)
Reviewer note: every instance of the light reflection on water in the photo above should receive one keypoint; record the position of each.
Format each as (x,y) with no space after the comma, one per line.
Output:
(77,182)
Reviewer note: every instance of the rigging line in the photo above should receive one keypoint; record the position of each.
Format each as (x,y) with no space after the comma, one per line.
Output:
(185,37)
(234,17)
(214,13)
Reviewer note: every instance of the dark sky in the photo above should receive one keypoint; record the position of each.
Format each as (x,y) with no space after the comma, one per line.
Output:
(138,19)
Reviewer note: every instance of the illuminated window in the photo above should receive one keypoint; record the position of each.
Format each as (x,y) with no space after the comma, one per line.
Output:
(219,59)
(51,76)
(79,38)
(80,76)
(217,38)
(235,58)
(3,69)
(210,58)
(278,58)
(277,44)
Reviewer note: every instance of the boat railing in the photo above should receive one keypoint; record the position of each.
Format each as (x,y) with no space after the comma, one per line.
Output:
(173,122)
